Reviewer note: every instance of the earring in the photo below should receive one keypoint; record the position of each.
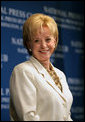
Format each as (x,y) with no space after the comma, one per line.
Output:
(54,46)
(30,50)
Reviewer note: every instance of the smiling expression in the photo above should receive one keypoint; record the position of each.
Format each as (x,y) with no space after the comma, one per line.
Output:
(42,44)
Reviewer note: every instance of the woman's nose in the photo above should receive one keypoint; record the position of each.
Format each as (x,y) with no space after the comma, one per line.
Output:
(43,44)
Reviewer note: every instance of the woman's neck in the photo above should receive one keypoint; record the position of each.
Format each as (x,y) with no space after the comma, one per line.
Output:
(46,64)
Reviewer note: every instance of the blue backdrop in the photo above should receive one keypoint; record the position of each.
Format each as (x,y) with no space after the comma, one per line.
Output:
(69,56)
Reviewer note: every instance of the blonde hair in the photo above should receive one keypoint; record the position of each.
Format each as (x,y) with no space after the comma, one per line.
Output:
(36,21)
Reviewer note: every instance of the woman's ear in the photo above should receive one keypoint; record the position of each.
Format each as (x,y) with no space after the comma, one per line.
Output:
(56,42)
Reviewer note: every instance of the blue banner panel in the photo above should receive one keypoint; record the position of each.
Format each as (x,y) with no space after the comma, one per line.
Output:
(69,55)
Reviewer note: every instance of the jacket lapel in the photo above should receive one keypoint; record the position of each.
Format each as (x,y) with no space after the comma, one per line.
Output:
(39,67)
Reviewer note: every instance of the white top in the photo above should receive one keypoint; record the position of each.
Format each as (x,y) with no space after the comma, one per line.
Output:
(34,95)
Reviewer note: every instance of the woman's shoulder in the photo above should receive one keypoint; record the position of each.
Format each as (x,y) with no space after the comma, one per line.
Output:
(24,66)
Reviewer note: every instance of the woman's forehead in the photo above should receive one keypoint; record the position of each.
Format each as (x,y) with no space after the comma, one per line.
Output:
(43,30)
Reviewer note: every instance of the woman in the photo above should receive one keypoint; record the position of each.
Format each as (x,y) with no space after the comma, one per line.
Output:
(38,90)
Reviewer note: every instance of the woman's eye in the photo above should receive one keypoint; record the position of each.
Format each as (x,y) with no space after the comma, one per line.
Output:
(36,41)
(49,39)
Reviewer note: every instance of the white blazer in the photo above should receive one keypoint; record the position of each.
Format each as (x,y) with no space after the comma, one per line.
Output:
(34,95)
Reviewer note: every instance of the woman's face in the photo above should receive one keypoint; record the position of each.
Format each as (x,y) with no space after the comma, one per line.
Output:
(43,44)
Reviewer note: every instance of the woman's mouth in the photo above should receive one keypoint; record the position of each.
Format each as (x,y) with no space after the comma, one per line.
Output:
(44,51)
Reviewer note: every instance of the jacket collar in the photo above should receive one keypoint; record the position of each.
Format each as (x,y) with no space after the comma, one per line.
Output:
(40,68)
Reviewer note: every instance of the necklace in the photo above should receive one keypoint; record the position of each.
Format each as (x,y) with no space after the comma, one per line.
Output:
(54,77)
